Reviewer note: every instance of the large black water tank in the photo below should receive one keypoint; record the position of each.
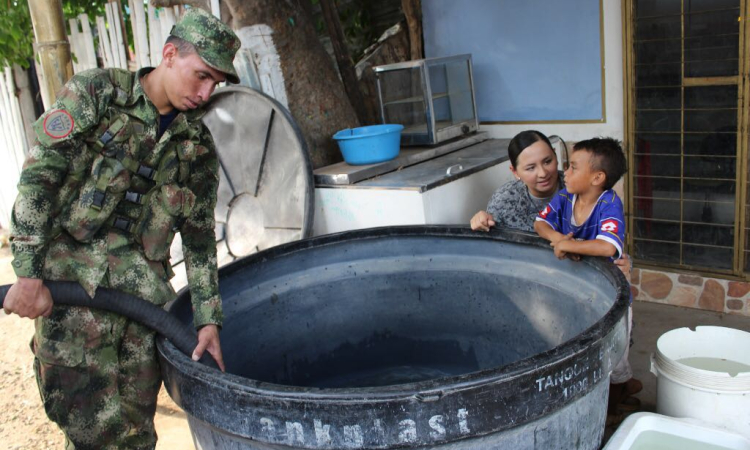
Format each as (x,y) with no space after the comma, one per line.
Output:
(413,337)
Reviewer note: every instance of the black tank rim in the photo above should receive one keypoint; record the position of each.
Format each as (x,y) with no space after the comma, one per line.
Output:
(594,334)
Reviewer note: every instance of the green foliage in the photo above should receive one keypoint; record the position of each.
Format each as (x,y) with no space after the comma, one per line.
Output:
(16,35)
(93,8)
(356,22)
(357,25)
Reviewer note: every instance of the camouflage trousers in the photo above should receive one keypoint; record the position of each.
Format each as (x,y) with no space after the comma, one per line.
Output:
(98,377)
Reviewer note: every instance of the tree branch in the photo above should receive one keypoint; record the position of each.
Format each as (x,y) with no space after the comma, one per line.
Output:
(344,61)
(236,10)
(202,4)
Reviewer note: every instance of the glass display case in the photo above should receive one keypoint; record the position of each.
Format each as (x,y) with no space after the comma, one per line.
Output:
(432,98)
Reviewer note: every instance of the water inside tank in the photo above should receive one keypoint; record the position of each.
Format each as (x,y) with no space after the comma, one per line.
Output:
(399,310)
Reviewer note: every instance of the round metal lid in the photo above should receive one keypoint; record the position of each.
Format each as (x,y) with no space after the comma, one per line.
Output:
(265,196)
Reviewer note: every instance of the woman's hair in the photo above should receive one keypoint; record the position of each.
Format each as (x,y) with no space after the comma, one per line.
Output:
(523,140)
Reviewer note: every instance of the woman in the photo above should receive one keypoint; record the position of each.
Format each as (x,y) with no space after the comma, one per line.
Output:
(516,204)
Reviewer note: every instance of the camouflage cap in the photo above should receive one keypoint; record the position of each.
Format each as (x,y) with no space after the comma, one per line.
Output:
(214,41)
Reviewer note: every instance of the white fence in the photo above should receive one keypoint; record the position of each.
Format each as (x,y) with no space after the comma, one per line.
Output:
(13,144)
(150,29)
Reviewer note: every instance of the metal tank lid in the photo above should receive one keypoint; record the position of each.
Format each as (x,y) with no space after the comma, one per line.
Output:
(265,196)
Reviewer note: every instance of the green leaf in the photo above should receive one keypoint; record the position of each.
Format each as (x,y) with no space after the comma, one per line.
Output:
(16,32)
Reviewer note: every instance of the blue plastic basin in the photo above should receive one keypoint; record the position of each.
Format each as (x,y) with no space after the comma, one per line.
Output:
(371,144)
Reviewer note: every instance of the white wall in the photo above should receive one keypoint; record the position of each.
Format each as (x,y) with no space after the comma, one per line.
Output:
(614,126)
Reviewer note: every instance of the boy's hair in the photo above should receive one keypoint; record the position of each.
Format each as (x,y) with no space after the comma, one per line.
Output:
(607,156)
(184,47)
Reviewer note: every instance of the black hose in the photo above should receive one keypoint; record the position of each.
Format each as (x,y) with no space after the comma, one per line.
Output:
(70,293)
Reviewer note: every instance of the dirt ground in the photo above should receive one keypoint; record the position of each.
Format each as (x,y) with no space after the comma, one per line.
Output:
(23,424)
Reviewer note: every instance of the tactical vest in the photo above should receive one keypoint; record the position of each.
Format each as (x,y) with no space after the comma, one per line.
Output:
(120,191)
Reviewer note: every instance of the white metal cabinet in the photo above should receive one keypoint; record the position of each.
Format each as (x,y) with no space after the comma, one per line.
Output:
(447,189)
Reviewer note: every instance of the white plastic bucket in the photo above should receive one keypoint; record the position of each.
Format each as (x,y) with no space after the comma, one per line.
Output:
(694,380)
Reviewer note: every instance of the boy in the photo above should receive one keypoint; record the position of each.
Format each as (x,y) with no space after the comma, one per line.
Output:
(587,218)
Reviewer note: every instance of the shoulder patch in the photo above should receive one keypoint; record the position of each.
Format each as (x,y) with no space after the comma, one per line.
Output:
(610,226)
(58,124)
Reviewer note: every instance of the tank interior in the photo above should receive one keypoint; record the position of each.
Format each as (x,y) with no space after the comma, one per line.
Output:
(392,310)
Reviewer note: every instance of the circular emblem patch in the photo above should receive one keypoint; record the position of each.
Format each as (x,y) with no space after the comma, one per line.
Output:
(58,124)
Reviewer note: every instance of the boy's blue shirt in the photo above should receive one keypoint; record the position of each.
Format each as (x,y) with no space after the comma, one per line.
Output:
(606,221)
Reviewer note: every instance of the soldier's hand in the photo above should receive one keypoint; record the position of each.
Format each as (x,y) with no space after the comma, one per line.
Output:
(208,339)
(482,221)
(28,297)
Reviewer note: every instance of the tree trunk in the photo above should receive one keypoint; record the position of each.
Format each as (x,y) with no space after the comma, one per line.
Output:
(51,47)
(413,12)
(311,87)
(344,61)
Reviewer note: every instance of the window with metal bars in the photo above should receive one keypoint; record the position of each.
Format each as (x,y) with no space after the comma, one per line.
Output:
(686,110)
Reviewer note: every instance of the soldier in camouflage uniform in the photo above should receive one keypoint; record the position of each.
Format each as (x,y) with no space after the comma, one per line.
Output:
(122,161)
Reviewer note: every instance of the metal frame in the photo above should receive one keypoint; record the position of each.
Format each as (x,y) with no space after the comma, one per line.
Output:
(743,118)
(433,136)
(743,132)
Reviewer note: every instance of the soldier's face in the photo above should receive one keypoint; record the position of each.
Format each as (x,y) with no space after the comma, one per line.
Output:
(191,82)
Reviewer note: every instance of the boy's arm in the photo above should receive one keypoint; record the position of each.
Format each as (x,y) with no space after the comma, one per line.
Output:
(548,222)
(545,230)
(612,224)
(593,247)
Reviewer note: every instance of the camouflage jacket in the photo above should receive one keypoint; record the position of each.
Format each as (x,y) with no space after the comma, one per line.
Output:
(512,205)
(100,198)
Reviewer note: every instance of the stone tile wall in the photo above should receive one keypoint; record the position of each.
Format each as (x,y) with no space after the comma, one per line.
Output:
(692,291)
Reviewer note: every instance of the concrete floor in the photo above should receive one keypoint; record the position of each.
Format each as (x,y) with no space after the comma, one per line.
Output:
(651,320)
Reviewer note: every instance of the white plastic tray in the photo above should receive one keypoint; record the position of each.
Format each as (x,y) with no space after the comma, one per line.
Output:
(682,429)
